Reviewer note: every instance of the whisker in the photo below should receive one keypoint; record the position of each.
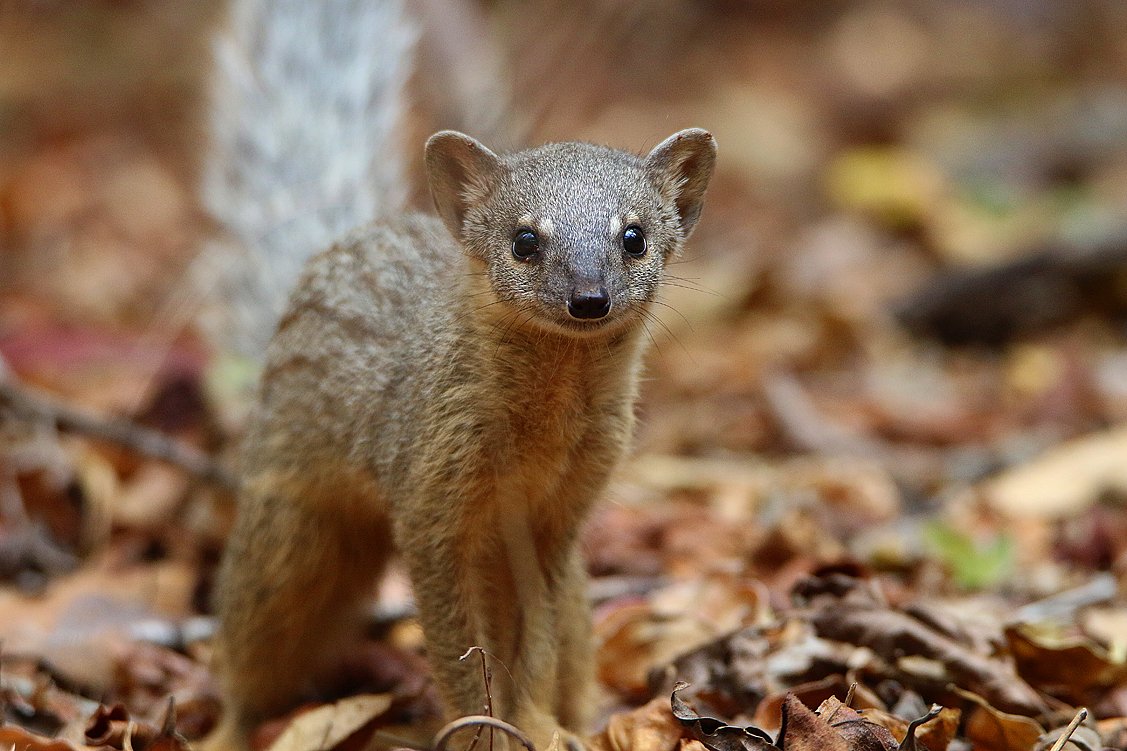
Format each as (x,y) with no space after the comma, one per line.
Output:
(691,283)
(690,287)
(650,315)
(679,313)
(684,259)
(653,341)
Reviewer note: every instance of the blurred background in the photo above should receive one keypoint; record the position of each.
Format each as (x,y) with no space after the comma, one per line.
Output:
(909,281)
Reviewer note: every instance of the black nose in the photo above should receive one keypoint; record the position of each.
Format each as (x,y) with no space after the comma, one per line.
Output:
(589,304)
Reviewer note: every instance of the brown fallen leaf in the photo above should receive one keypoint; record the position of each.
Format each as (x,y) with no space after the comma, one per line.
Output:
(1113,730)
(991,729)
(803,730)
(651,727)
(147,675)
(12,737)
(739,670)
(325,727)
(932,732)
(39,704)
(860,619)
(859,732)
(112,727)
(1065,480)
(679,617)
(632,640)
(107,726)
(769,711)
(1076,669)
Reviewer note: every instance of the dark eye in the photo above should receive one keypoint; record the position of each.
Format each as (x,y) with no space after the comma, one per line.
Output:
(525,244)
(633,241)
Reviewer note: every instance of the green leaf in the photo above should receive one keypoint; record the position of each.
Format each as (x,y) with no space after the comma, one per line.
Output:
(974,563)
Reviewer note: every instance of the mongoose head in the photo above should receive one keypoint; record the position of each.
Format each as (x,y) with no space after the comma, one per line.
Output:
(573,237)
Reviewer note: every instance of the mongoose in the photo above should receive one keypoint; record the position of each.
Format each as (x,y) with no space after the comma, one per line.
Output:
(461,386)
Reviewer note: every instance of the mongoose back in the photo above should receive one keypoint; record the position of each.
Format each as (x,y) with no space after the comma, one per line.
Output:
(461,386)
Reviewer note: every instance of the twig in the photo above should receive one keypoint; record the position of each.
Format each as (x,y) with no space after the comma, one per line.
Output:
(487,680)
(1068,731)
(26,402)
(909,742)
(477,720)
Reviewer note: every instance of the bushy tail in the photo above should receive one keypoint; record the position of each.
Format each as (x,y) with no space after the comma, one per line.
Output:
(306,100)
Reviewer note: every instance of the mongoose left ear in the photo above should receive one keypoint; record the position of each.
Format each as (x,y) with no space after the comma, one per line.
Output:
(461,172)
(682,165)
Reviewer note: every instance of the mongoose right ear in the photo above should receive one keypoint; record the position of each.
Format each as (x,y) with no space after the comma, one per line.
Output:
(461,172)
(682,165)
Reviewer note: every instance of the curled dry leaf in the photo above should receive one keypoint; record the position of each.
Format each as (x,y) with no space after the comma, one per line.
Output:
(716,734)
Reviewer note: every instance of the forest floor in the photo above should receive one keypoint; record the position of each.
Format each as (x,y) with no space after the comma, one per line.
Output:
(879,493)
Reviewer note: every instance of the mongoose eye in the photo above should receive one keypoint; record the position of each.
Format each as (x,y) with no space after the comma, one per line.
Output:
(633,241)
(525,244)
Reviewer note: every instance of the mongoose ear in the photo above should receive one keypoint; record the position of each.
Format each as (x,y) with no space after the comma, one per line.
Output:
(682,165)
(461,172)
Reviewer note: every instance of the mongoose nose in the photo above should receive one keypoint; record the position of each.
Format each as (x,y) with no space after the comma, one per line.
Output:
(589,304)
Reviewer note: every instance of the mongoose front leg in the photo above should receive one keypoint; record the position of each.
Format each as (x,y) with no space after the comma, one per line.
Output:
(479,582)
(575,694)
(531,645)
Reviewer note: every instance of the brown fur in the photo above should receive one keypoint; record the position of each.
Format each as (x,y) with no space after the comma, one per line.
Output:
(449,397)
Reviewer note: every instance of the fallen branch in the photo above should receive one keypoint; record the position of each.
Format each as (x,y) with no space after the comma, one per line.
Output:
(27,403)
